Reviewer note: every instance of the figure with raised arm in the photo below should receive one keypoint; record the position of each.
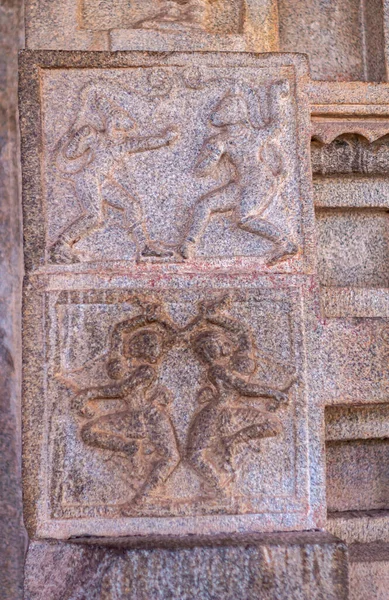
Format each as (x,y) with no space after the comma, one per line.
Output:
(258,172)
(229,417)
(102,136)
(137,346)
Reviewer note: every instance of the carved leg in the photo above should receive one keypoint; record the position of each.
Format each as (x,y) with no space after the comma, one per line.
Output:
(117,196)
(251,221)
(204,467)
(91,218)
(97,434)
(223,199)
(159,474)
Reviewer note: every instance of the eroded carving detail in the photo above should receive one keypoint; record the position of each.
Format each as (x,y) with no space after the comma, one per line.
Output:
(176,15)
(234,409)
(219,163)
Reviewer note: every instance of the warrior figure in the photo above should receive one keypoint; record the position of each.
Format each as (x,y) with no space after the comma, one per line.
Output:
(98,141)
(257,173)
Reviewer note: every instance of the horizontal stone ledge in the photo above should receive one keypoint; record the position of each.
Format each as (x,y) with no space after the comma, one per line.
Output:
(351,192)
(285,538)
(360,526)
(280,566)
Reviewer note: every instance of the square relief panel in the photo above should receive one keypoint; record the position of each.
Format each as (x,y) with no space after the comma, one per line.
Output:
(174,412)
(193,158)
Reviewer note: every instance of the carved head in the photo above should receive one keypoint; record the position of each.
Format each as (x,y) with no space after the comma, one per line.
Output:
(146,345)
(80,141)
(213,347)
(230,111)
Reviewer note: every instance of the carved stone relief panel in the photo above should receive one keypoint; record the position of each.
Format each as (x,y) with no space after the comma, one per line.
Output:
(176,160)
(169,297)
(183,404)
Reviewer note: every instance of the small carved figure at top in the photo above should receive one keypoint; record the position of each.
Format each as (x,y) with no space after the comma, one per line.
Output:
(100,139)
(176,15)
(227,420)
(143,428)
(257,167)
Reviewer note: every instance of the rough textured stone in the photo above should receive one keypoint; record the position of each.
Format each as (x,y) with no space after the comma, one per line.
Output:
(12,536)
(368,571)
(305,567)
(154,382)
(344,39)
(360,466)
(106,246)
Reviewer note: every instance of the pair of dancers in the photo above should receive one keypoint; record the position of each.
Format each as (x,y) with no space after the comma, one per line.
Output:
(227,418)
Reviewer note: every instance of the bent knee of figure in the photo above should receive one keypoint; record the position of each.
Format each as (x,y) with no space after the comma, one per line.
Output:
(203,207)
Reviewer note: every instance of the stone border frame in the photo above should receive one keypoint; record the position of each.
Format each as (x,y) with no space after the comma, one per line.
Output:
(31,64)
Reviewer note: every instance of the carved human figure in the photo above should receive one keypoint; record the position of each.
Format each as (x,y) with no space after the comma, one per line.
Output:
(257,172)
(227,419)
(176,15)
(88,154)
(145,421)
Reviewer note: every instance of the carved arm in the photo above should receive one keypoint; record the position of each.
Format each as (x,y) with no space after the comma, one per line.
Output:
(209,157)
(250,389)
(146,143)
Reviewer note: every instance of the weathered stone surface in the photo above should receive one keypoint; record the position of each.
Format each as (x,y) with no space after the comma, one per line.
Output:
(360,527)
(132,173)
(157,25)
(12,535)
(357,422)
(352,248)
(368,571)
(185,483)
(302,567)
(344,40)
(360,467)
(174,387)
(350,360)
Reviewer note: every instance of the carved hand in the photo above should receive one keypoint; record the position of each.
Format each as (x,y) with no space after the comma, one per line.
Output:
(142,376)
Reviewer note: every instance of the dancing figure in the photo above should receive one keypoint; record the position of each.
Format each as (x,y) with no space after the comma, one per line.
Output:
(145,421)
(227,419)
